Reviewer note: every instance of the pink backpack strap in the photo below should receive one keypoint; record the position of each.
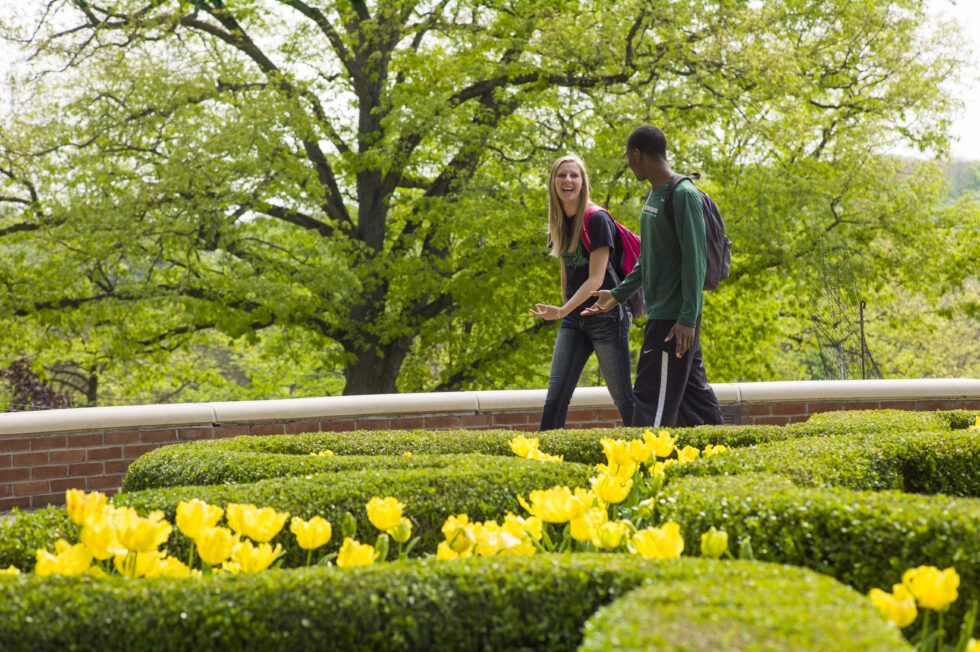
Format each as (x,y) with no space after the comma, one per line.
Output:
(585,224)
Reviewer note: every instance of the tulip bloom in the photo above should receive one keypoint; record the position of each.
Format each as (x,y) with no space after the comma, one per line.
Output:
(610,535)
(663,444)
(714,450)
(611,489)
(403,532)
(540,456)
(10,570)
(259,525)
(100,538)
(555,505)
(714,543)
(522,528)
(617,451)
(85,508)
(311,534)
(138,534)
(385,513)
(660,542)
(640,450)
(585,528)
(687,454)
(492,543)
(353,553)
(194,514)
(522,446)
(68,559)
(898,608)
(249,558)
(214,544)
(931,587)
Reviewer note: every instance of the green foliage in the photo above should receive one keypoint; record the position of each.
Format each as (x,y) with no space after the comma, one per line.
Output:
(482,487)
(245,459)
(740,606)
(527,603)
(360,187)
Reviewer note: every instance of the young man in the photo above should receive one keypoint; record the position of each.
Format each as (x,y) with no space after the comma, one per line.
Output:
(671,386)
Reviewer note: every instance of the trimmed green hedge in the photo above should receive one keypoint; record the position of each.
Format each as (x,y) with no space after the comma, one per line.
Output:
(921,462)
(741,607)
(483,487)
(865,539)
(502,603)
(246,459)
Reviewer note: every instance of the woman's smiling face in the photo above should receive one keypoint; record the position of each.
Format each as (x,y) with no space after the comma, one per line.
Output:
(568,181)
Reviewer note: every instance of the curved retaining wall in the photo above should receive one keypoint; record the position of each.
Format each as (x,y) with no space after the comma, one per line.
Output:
(43,453)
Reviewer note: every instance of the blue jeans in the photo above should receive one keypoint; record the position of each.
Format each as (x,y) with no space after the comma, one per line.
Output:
(606,334)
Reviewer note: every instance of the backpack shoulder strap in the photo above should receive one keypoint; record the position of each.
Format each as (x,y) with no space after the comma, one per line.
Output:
(592,208)
(671,188)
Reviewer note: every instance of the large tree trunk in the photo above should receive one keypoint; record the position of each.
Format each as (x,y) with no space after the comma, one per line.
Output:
(375,368)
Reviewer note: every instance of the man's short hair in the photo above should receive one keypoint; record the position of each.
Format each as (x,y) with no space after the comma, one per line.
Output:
(648,139)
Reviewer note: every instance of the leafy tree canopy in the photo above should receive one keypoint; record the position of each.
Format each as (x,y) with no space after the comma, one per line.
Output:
(368,178)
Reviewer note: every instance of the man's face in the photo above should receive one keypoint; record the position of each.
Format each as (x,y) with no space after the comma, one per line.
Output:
(635,160)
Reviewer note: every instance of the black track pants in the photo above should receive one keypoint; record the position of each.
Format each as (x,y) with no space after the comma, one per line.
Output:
(672,391)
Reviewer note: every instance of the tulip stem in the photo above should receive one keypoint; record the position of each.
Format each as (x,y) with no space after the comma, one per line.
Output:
(309,556)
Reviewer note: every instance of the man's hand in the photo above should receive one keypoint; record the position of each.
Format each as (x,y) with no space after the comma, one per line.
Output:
(605,303)
(685,338)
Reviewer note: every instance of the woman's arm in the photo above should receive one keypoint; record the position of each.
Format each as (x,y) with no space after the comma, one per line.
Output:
(598,260)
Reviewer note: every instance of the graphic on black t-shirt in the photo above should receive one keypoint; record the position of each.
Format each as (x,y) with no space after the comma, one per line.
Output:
(601,234)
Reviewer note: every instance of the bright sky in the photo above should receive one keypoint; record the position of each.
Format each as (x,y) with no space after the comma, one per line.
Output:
(966,125)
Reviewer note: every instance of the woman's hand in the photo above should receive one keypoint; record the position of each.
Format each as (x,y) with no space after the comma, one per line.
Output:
(546,311)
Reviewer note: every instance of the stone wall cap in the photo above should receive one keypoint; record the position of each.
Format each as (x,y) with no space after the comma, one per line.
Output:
(105,418)
(849,390)
(342,406)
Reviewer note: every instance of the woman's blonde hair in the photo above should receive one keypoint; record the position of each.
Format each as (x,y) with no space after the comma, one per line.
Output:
(561,242)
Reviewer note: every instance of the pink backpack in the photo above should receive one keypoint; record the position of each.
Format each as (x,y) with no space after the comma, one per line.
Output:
(627,252)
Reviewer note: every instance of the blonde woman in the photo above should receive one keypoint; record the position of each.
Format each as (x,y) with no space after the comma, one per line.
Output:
(584,270)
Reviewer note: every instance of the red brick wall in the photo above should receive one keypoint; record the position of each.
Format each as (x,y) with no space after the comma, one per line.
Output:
(35,470)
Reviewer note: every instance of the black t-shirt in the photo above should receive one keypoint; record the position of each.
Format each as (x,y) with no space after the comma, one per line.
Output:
(601,234)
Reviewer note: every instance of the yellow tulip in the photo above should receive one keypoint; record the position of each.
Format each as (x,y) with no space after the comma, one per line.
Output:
(258,524)
(624,471)
(522,528)
(522,446)
(311,534)
(323,453)
(540,456)
(714,543)
(214,544)
(138,564)
(452,524)
(974,645)
(85,508)
(585,528)
(403,532)
(663,542)
(714,450)
(975,426)
(100,538)
(445,552)
(384,513)
(492,543)
(353,553)
(138,534)
(10,570)
(194,514)
(617,451)
(931,587)
(461,540)
(555,505)
(610,535)
(250,558)
(68,559)
(611,489)
(663,444)
(898,608)
(687,454)
(640,450)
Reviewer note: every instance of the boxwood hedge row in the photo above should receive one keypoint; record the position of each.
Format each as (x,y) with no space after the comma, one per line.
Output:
(246,459)
(503,603)
(482,486)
